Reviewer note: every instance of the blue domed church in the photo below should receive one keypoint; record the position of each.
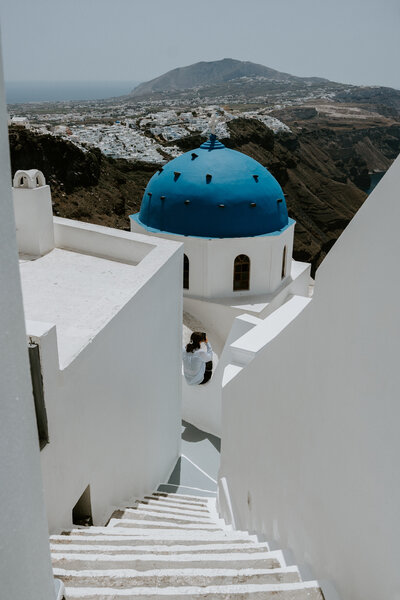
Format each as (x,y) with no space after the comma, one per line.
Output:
(230,213)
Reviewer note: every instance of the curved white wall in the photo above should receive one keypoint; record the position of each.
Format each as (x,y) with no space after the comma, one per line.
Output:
(211,262)
(311,439)
(25,569)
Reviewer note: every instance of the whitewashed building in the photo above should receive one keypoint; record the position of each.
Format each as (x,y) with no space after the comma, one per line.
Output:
(20,121)
(25,568)
(95,301)
(310,426)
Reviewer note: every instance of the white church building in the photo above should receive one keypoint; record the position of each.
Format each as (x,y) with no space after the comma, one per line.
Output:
(304,394)
(230,214)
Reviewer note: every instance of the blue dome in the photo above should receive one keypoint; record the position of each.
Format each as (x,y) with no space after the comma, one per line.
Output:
(213,192)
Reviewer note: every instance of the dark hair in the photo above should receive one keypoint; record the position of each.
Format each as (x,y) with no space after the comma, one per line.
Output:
(195,340)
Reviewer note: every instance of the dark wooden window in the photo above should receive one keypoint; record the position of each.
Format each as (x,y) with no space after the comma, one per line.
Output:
(241,273)
(185,272)
(38,395)
(283,274)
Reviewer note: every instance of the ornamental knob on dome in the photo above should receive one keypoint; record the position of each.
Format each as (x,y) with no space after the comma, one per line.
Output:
(213,192)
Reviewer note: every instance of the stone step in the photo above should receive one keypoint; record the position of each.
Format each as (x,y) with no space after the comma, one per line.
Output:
(124,537)
(171,517)
(156,533)
(174,499)
(193,499)
(143,524)
(121,548)
(171,502)
(162,578)
(173,509)
(243,560)
(278,591)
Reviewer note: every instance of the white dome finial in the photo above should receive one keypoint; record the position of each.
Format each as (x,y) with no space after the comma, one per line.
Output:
(213,123)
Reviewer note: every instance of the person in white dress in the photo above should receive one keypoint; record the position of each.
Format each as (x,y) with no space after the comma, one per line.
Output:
(197,359)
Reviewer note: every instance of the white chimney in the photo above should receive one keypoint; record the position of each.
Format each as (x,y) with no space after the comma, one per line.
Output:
(33,213)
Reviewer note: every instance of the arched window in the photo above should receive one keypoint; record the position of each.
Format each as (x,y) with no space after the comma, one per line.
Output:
(185,272)
(283,273)
(241,273)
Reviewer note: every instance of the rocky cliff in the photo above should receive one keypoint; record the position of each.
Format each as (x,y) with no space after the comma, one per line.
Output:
(86,186)
(324,173)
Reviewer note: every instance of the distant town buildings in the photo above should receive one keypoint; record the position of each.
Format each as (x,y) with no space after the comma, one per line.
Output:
(133,132)
(19,121)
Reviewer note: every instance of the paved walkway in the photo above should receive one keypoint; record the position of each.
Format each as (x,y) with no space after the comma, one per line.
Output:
(198,466)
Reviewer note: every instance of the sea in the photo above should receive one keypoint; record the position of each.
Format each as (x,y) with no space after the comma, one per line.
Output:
(18,92)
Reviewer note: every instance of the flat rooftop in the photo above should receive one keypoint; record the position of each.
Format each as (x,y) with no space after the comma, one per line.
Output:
(79,293)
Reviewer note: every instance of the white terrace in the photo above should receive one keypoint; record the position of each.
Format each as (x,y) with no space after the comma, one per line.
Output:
(95,300)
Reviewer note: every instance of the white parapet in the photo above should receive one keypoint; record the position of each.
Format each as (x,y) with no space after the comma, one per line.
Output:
(310,426)
(103,306)
(33,213)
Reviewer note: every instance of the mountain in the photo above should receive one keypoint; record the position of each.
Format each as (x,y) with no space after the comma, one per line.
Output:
(206,74)
(240,83)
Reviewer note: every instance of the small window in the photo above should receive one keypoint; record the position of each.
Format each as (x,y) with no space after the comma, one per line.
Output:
(283,274)
(185,272)
(241,273)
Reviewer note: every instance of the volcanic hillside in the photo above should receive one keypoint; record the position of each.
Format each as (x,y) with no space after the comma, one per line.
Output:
(213,73)
(228,80)
(323,174)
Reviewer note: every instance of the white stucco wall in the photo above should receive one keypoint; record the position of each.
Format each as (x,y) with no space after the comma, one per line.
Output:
(25,570)
(310,428)
(224,324)
(113,385)
(218,315)
(211,262)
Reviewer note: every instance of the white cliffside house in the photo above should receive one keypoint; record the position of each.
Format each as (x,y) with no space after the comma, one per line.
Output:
(95,301)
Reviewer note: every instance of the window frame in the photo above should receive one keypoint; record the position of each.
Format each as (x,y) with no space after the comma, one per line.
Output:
(241,273)
(186,271)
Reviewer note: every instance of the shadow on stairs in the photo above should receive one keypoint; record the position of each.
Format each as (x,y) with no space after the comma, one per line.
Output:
(196,471)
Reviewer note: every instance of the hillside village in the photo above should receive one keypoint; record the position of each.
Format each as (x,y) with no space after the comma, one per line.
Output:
(135,135)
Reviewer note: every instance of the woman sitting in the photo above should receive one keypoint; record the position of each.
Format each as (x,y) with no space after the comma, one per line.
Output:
(197,359)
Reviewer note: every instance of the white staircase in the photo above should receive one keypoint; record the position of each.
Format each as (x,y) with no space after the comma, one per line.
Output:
(173,546)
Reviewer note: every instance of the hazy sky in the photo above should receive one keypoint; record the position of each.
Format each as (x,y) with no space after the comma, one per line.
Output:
(354,41)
